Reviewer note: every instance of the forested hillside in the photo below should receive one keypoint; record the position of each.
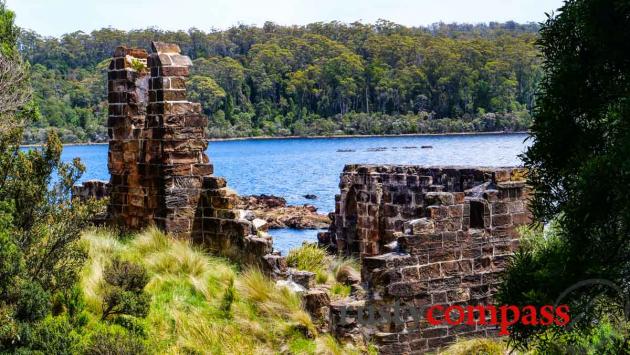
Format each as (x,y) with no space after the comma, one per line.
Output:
(319,79)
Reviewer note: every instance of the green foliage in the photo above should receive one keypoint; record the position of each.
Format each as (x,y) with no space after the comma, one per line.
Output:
(138,65)
(604,337)
(318,79)
(124,290)
(340,290)
(114,340)
(308,257)
(40,252)
(579,169)
(8,31)
(55,335)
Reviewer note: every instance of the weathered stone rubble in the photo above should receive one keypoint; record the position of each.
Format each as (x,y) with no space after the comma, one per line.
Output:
(426,236)
(275,211)
(96,189)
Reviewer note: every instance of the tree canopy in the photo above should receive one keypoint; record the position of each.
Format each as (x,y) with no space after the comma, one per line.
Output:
(322,78)
(579,165)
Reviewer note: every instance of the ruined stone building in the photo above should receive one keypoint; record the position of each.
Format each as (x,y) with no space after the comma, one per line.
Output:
(425,236)
(160,173)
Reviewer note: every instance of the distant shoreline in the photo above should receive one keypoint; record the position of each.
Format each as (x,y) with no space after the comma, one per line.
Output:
(318,137)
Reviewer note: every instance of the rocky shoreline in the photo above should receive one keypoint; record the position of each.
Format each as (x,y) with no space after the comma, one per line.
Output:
(278,214)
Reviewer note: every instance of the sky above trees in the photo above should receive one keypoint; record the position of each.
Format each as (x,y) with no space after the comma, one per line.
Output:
(54,18)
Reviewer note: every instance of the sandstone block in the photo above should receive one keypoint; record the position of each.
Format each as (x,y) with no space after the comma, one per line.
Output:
(316,302)
(305,279)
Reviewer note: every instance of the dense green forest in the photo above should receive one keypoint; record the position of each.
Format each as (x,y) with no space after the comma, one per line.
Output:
(318,79)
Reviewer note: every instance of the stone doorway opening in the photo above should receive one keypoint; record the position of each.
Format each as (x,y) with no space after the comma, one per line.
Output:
(351,219)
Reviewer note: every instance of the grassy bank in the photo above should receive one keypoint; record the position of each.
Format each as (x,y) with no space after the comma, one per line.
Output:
(204,304)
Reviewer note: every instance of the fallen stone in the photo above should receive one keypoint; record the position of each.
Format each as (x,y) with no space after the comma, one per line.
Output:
(304,278)
(260,224)
(275,265)
(348,276)
(316,302)
(291,285)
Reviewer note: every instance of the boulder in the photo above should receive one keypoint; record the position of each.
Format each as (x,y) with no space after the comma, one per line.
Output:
(260,224)
(316,302)
(348,275)
(303,278)
(275,265)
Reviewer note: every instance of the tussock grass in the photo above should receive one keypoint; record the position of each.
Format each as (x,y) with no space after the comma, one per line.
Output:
(271,300)
(339,290)
(477,346)
(308,257)
(101,245)
(201,303)
(150,241)
(327,345)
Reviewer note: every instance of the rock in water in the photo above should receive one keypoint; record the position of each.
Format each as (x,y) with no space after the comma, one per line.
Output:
(310,197)
(278,215)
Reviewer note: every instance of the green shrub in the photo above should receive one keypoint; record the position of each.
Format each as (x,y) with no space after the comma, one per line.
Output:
(33,302)
(308,257)
(124,290)
(228,299)
(54,335)
(110,340)
(607,338)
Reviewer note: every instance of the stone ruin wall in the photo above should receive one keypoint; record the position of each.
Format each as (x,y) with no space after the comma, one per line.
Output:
(160,173)
(425,236)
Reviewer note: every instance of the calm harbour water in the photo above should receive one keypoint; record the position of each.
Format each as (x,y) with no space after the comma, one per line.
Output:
(292,168)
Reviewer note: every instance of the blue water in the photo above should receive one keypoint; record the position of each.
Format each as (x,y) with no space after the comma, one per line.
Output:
(292,168)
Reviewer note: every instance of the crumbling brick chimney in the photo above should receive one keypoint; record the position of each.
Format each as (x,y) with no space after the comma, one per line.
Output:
(128,83)
(175,162)
(160,173)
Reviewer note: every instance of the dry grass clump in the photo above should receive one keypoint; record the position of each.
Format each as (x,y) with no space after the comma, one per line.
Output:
(328,345)
(343,268)
(274,301)
(477,346)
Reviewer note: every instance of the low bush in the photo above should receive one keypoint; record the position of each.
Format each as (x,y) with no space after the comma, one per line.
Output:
(308,257)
